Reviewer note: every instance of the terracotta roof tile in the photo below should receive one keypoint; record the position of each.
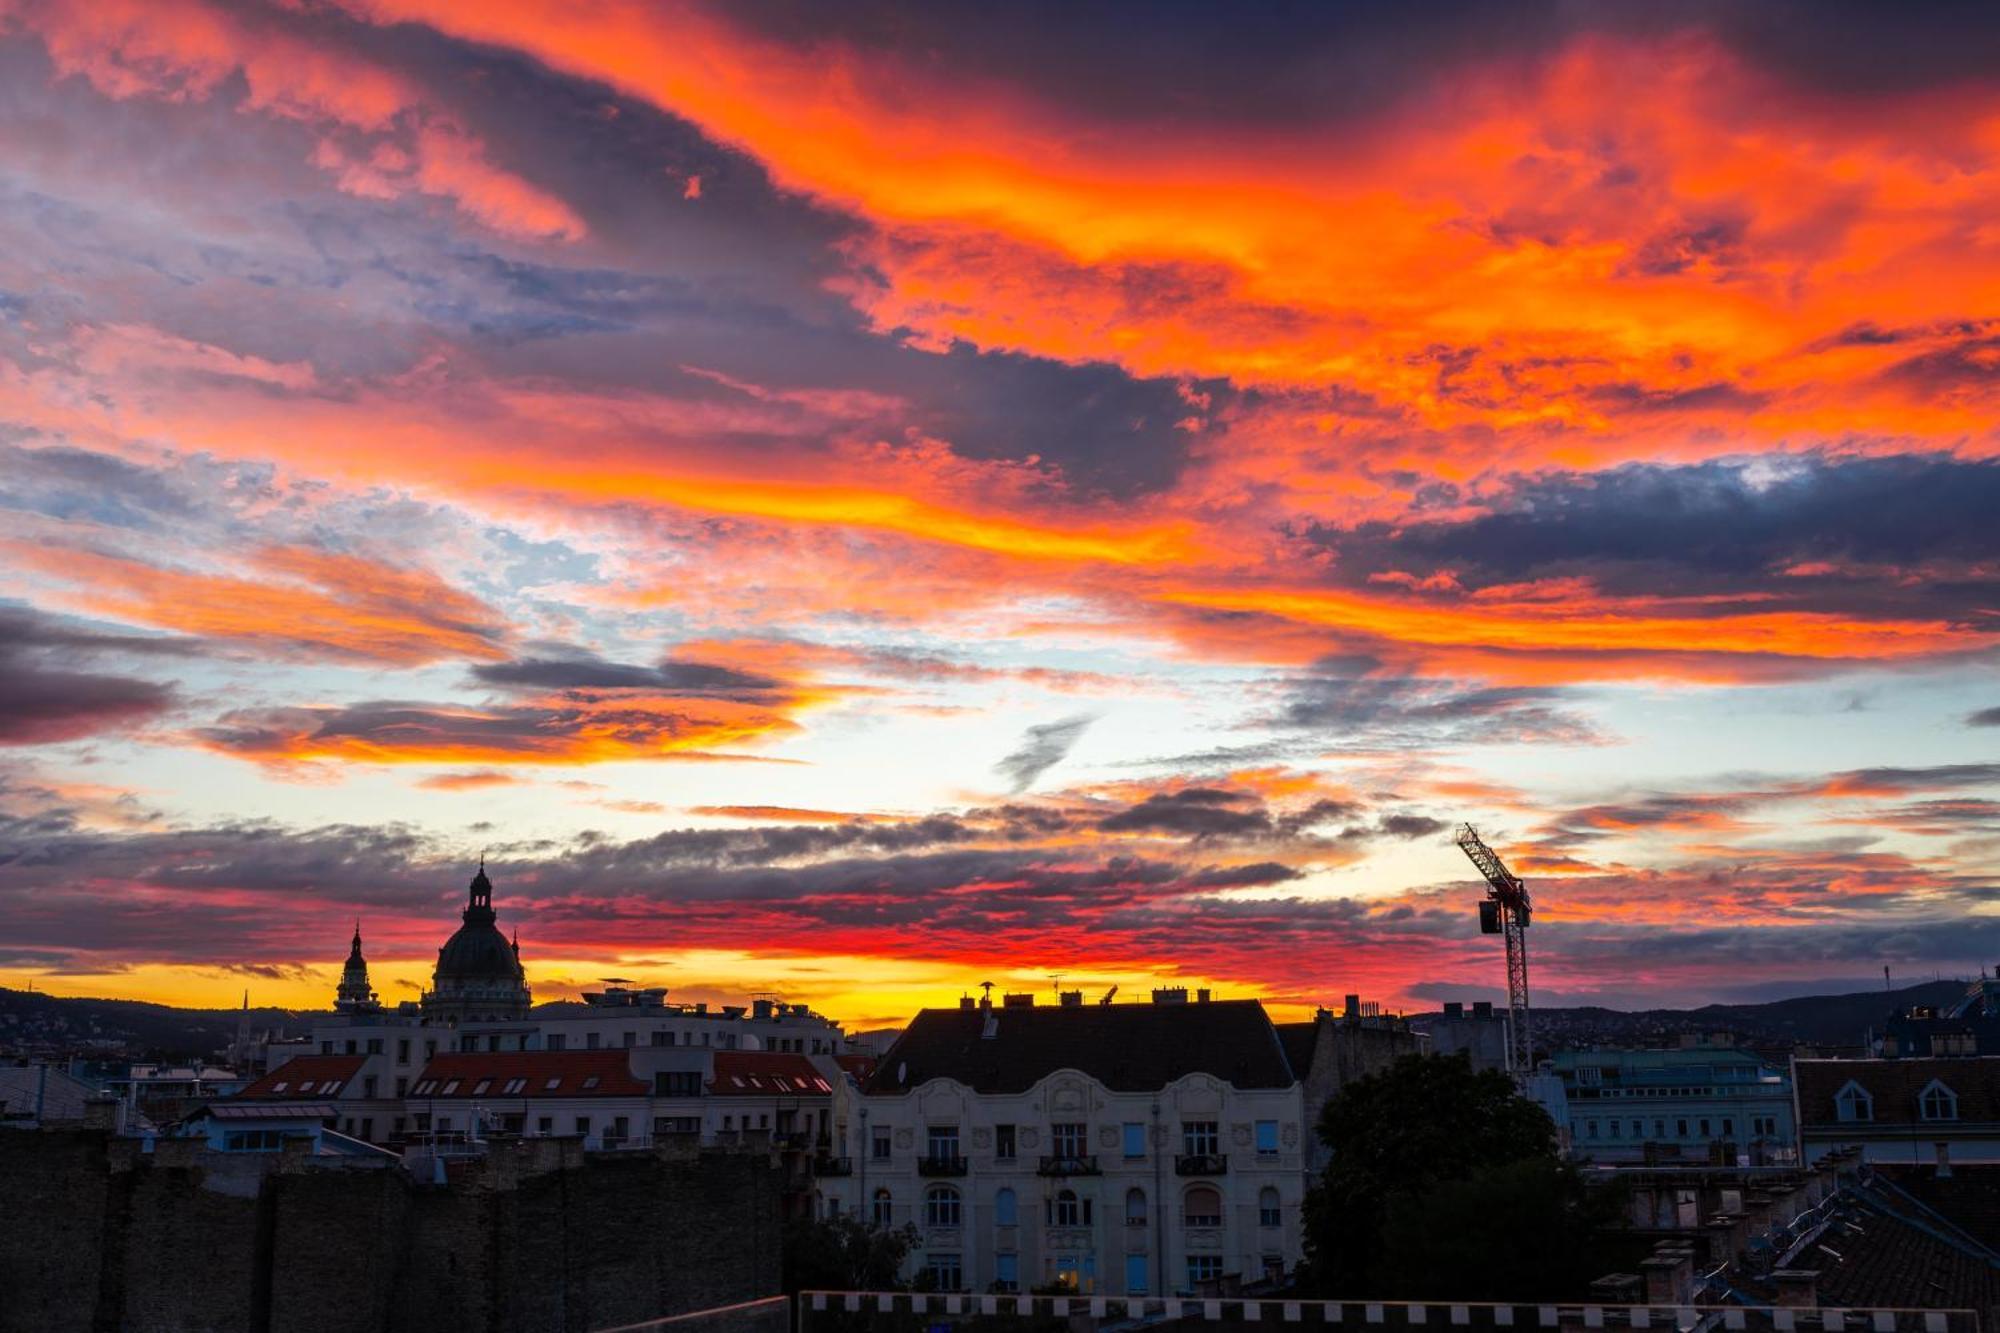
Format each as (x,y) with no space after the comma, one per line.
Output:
(494,1074)
(305,1076)
(766,1074)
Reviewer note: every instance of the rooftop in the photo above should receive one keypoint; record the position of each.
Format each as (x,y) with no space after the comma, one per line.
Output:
(512,1074)
(764,1073)
(1126,1047)
(305,1076)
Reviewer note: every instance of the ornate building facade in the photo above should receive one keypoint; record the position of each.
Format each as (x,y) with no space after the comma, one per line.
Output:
(478,978)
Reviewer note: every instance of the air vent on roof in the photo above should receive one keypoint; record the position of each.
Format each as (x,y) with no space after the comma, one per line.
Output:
(1170,995)
(1026,1001)
(1072,999)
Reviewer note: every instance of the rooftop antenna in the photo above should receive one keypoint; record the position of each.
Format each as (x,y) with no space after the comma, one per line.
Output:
(1055,981)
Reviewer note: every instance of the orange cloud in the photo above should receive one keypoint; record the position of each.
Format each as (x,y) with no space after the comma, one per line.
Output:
(307,601)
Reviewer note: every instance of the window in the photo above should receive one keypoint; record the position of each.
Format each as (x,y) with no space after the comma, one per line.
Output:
(450,1088)
(430,1047)
(1069,1139)
(591,1041)
(1200,1138)
(1135,1139)
(1006,1212)
(941,1206)
(879,1148)
(402,1085)
(1762,1126)
(280,1085)
(631,1039)
(557,1041)
(662,1037)
(943,1142)
(1612,1125)
(1590,1129)
(1854,1103)
(479,1089)
(943,1271)
(551,1084)
(1267,1138)
(1003,1142)
(374,1046)
(1135,1207)
(1937,1102)
(306,1086)
(326,1048)
(677,1124)
(1203,1268)
(545,1124)
(1268,1214)
(1728,1128)
(1590,1075)
(349,1043)
(403,1051)
(589,1082)
(1007,1272)
(1135,1275)
(677,1083)
(1680,1129)
(1704,1129)
(1659,1129)
(885,1208)
(1066,1210)
(1202,1207)
(583,1124)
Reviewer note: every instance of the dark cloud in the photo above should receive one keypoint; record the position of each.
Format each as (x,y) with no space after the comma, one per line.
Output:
(44,695)
(593,673)
(1985,717)
(1042,748)
(1197,812)
(1896,536)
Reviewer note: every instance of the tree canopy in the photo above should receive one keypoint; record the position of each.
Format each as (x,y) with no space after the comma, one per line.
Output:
(1446,1184)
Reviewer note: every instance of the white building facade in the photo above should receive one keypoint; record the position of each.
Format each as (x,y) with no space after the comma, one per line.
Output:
(1122,1150)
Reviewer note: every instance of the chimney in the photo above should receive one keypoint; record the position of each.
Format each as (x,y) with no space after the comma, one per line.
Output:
(761,1008)
(102,1113)
(965,1002)
(1026,1001)
(1071,999)
(1170,995)
(1456,1009)
(1352,1007)
(1669,1275)
(1201,996)
(1797,1287)
(1482,1008)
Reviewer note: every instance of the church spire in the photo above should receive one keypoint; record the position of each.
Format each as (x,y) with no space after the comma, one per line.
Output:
(355,995)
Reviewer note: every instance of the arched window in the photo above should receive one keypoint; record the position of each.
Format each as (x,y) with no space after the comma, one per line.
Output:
(885,1209)
(941,1206)
(1202,1207)
(1268,1214)
(1135,1207)
(1067,1209)
(1937,1102)
(1853,1103)
(1004,1212)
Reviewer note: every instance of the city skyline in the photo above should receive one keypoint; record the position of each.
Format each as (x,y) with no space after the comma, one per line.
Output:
(860,502)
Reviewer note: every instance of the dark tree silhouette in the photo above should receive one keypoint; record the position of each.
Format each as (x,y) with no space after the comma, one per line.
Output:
(1445,1184)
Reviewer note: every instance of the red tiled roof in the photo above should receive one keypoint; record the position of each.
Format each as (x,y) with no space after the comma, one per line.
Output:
(306,1076)
(527,1074)
(1895,1086)
(766,1074)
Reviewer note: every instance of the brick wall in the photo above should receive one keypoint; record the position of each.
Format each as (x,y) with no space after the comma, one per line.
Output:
(538,1237)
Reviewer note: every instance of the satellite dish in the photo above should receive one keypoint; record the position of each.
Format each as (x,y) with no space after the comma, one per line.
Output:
(902,1071)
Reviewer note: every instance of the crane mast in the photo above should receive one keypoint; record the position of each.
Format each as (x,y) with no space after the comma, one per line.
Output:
(1506,913)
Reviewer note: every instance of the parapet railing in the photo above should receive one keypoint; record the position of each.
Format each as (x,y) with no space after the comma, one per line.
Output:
(921,1310)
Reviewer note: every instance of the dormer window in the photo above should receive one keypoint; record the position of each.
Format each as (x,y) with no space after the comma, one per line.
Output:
(1937,1102)
(1853,1103)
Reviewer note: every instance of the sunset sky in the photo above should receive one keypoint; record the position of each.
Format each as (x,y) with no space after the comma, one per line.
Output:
(859,500)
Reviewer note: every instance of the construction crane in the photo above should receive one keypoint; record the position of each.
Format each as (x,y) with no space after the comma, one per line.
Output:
(1506,913)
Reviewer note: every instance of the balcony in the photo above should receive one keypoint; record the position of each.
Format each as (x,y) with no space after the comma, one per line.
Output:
(1201,1163)
(1078,1164)
(833,1166)
(938,1165)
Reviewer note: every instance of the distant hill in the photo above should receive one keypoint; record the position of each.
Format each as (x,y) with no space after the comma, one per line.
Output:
(1823,1020)
(32,1023)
